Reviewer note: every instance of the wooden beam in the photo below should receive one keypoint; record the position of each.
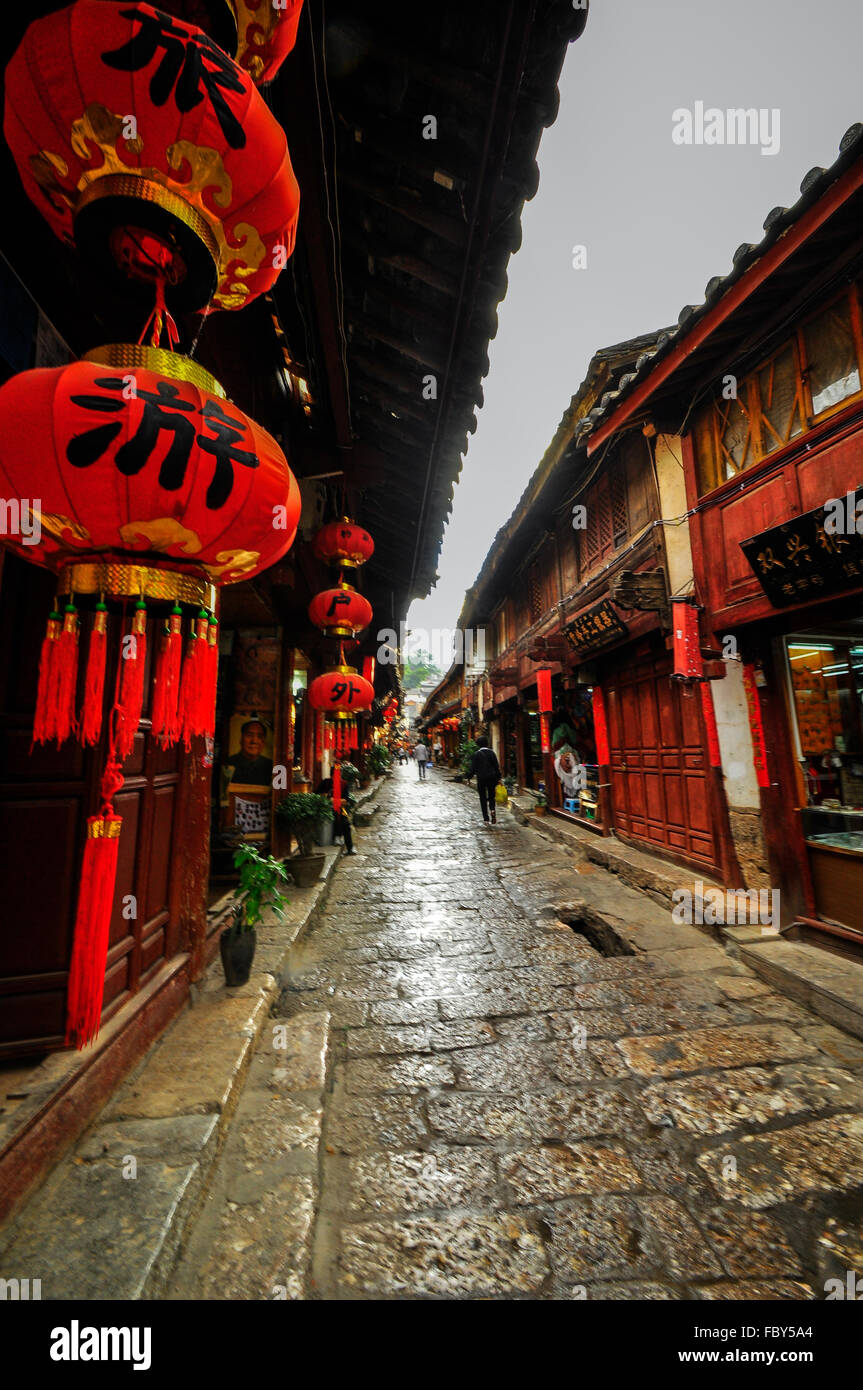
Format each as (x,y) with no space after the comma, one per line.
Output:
(410,205)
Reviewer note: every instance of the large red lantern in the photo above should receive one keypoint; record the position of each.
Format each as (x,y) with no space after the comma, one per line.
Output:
(340,612)
(341,693)
(134,459)
(266,34)
(343,543)
(137,137)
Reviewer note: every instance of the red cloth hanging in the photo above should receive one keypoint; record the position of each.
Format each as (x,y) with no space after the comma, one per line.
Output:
(600,727)
(756,726)
(337,788)
(94,679)
(193,682)
(543,689)
(713,753)
(545,733)
(133,660)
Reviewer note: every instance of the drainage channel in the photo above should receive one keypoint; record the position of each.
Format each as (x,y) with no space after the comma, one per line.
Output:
(597,932)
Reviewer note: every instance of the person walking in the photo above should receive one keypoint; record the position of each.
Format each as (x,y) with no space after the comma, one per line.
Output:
(421,753)
(486,769)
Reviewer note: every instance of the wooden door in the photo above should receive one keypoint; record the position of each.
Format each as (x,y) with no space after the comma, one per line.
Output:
(45,798)
(660,776)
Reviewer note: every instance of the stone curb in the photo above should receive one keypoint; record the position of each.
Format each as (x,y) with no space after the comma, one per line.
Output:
(110,1228)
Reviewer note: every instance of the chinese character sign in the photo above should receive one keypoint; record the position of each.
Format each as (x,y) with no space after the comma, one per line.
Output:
(138,463)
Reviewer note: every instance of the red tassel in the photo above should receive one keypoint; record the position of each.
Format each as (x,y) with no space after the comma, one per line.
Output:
(192,683)
(337,788)
(92,925)
(166,689)
(94,679)
(66,680)
(134,661)
(45,719)
(211,678)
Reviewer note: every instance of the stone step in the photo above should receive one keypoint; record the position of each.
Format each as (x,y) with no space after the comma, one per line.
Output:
(829,984)
(253,1236)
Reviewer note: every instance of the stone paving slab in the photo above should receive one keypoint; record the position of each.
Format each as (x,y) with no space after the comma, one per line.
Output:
(98,1232)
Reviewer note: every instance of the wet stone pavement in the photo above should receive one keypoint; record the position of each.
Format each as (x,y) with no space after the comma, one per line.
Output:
(511,1114)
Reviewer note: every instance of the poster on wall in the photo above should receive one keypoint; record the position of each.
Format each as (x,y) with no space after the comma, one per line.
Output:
(246,772)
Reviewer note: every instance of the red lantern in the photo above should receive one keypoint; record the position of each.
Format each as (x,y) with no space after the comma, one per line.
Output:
(267,33)
(341,693)
(343,543)
(340,612)
(134,459)
(138,138)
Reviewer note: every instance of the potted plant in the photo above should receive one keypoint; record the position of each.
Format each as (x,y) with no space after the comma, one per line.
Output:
(257,890)
(466,750)
(302,813)
(379,760)
(541,805)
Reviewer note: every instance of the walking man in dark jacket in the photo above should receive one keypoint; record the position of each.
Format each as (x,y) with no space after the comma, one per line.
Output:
(486,769)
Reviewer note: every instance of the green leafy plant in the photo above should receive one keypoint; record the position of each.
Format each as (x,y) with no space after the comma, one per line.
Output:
(350,774)
(302,814)
(541,801)
(466,750)
(258,887)
(509,783)
(378,760)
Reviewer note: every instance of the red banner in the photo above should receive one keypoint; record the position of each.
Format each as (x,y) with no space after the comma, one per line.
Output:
(756,726)
(543,690)
(545,733)
(713,753)
(600,728)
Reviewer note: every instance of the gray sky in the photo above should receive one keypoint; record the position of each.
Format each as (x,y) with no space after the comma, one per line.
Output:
(658,219)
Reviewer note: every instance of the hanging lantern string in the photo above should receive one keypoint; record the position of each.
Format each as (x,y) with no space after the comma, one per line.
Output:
(160,318)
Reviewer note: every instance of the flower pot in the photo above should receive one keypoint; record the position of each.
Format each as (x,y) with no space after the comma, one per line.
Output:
(325,833)
(238,951)
(305,869)
(540,810)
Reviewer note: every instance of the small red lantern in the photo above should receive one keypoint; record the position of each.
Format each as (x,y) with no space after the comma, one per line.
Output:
(137,137)
(343,543)
(340,612)
(267,32)
(341,693)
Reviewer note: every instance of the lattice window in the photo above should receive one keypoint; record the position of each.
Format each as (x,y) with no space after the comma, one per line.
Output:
(535,596)
(619,511)
(817,370)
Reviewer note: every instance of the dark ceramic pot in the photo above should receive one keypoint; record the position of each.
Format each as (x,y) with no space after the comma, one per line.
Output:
(305,869)
(238,951)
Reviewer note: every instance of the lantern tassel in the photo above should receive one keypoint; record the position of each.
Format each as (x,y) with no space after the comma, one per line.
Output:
(45,719)
(193,683)
(337,788)
(211,678)
(93,916)
(134,661)
(66,679)
(166,689)
(94,679)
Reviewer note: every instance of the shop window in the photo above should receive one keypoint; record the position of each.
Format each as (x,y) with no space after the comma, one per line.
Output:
(827,688)
(831,355)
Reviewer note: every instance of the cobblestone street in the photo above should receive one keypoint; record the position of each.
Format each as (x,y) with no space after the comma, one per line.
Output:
(512,1114)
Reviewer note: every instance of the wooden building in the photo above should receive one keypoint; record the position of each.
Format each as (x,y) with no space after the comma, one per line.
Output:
(760,389)
(413,136)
